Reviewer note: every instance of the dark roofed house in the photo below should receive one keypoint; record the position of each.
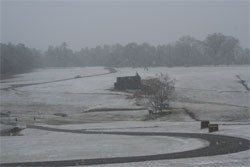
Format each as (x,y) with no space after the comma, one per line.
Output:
(128,82)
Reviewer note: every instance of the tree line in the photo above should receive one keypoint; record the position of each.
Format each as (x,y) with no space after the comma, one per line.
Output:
(19,58)
(216,49)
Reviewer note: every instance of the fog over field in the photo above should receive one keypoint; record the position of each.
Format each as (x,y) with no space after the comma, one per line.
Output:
(124,83)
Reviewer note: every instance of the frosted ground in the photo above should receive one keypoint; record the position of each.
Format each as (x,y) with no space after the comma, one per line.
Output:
(202,90)
(211,93)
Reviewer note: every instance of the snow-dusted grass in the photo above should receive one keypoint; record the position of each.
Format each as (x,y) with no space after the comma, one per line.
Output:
(210,92)
(239,129)
(44,145)
(231,160)
(240,159)
(71,96)
(52,74)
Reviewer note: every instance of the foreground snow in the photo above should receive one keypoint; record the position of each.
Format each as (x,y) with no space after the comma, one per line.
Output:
(60,146)
(38,145)
(240,159)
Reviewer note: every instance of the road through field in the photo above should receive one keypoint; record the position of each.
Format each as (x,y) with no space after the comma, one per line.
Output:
(219,145)
(60,80)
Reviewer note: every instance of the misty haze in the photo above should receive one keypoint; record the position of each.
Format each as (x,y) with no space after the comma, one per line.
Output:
(124,83)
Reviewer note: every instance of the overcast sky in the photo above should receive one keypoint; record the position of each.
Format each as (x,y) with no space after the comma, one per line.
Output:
(40,23)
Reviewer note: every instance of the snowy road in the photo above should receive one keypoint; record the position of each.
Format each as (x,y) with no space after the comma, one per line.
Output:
(219,145)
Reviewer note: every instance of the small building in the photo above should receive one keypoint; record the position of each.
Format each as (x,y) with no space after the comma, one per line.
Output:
(128,82)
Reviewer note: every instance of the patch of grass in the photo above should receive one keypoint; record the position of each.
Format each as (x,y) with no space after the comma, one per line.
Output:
(110,69)
(156,115)
(61,114)
(54,121)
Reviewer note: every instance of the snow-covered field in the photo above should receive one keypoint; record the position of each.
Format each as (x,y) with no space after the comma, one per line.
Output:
(37,145)
(211,93)
(58,146)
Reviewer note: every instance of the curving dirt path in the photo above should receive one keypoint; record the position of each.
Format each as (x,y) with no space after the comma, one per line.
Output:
(219,145)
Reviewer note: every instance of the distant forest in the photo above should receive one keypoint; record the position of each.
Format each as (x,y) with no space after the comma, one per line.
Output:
(216,49)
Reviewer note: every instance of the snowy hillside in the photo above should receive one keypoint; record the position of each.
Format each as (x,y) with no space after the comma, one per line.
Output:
(209,92)
(84,99)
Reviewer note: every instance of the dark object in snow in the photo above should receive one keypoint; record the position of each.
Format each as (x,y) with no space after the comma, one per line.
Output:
(213,128)
(12,131)
(150,112)
(78,76)
(61,114)
(5,113)
(243,82)
(204,124)
(128,82)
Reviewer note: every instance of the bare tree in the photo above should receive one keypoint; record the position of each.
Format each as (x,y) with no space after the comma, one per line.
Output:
(158,92)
